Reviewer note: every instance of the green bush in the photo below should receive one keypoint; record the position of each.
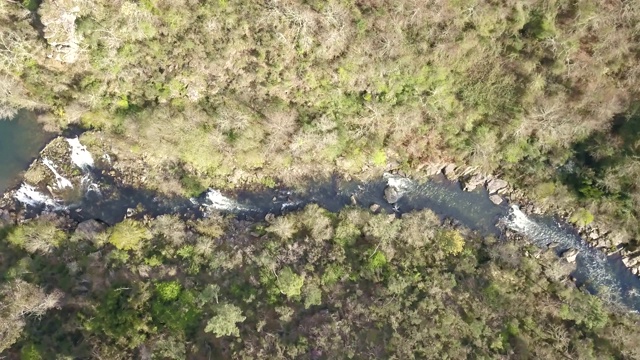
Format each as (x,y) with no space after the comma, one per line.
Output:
(225,320)
(290,283)
(581,217)
(30,352)
(129,235)
(37,236)
(168,291)
(451,242)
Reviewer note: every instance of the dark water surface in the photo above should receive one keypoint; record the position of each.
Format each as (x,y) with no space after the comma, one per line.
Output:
(20,141)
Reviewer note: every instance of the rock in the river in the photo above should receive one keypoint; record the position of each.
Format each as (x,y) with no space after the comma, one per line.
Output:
(473,182)
(269,217)
(391,194)
(496,199)
(630,261)
(374,208)
(495,185)
(450,171)
(570,255)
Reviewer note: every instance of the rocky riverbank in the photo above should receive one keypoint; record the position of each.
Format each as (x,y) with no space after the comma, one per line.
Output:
(597,235)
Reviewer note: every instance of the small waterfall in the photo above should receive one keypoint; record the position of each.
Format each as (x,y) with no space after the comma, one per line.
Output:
(61,181)
(80,156)
(28,195)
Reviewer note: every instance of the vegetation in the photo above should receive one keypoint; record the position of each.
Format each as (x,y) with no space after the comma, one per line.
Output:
(184,95)
(360,285)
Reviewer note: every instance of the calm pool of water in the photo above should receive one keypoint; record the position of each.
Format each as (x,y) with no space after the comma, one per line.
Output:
(20,141)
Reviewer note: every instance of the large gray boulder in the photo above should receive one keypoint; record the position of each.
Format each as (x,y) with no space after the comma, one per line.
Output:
(496,199)
(89,229)
(473,182)
(495,185)
(392,195)
(570,255)
(450,172)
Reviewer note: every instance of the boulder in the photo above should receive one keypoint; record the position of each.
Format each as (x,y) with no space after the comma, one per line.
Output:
(496,199)
(630,261)
(495,185)
(450,172)
(391,194)
(570,255)
(472,182)
(374,208)
(270,218)
(89,229)
(5,218)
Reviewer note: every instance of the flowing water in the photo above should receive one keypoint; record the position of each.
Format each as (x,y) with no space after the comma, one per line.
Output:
(107,200)
(20,141)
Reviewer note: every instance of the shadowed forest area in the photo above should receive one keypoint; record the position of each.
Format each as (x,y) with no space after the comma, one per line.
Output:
(186,95)
(309,285)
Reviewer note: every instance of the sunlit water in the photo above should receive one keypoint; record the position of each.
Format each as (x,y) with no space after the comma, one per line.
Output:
(20,141)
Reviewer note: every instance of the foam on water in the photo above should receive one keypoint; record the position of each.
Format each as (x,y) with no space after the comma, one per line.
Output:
(217,201)
(28,195)
(402,184)
(61,181)
(594,268)
(80,156)
(89,185)
(290,205)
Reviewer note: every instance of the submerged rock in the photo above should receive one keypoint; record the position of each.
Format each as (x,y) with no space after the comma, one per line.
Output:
(392,195)
(495,185)
(570,255)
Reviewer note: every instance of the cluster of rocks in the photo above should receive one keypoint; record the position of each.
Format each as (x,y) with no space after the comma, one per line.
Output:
(471,179)
(632,261)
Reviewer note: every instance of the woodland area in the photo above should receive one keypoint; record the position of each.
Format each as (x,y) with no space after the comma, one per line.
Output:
(194,94)
(225,92)
(308,285)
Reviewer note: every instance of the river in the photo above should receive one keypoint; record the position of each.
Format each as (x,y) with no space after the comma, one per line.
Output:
(108,200)
(20,141)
